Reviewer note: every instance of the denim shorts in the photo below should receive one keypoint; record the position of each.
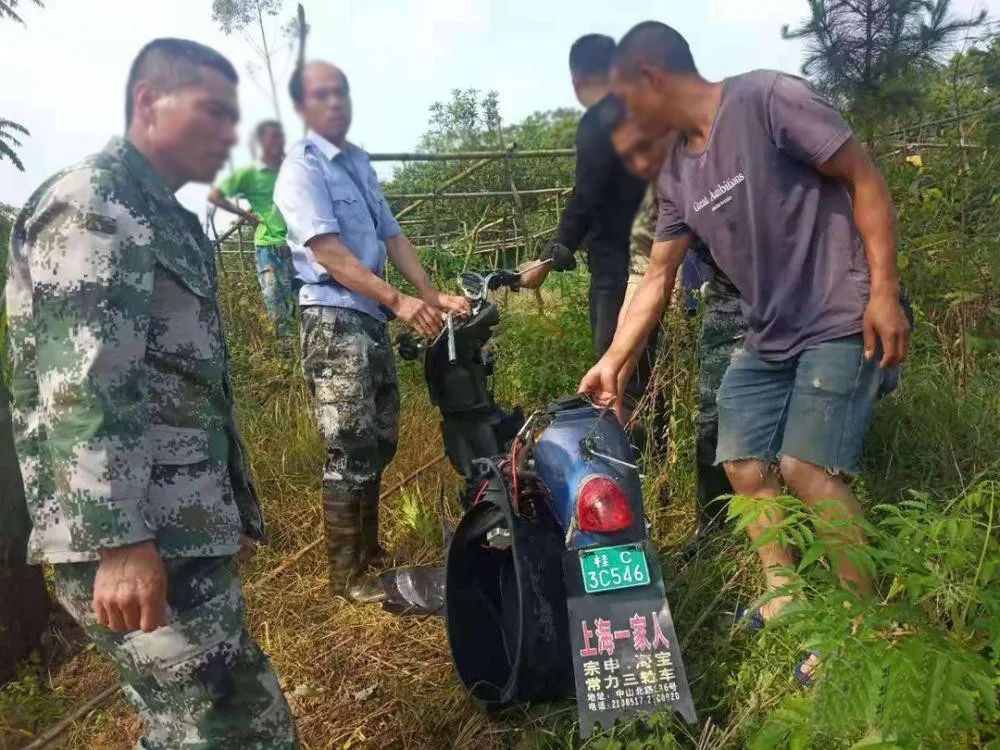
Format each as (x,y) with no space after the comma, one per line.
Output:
(814,407)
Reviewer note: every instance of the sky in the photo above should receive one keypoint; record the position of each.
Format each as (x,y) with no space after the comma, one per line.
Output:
(63,74)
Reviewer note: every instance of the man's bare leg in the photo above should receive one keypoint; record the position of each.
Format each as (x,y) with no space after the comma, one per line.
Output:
(834,502)
(757,479)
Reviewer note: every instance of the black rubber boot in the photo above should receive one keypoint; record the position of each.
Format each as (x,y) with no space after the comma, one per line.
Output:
(712,509)
(367,588)
(372,554)
(342,522)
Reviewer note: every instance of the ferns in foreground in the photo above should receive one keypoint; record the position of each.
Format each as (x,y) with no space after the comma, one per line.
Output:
(915,666)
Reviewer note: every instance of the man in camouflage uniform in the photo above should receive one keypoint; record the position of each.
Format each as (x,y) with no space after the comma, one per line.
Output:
(723,326)
(342,234)
(135,474)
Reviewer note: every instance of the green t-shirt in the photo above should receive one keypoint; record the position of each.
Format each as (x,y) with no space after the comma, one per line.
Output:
(256,184)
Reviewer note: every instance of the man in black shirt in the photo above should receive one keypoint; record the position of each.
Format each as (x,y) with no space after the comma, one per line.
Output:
(605,198)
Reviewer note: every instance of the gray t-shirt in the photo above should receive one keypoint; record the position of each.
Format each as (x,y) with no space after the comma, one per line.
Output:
(782,232)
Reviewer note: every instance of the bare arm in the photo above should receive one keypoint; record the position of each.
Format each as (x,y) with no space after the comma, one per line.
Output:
(216,198)
(650,300)
(404,257)
(343,266)
(644,313)
(875,218)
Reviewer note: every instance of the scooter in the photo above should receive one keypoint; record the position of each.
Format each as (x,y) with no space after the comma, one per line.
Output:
(551,586)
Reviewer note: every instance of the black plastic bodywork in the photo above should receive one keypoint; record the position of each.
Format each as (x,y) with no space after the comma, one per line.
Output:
(472,424)
(506,613)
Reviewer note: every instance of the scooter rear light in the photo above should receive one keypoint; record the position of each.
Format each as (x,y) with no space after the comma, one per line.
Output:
(602,506)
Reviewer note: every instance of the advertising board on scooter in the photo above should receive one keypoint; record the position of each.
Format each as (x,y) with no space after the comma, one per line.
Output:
(626,658)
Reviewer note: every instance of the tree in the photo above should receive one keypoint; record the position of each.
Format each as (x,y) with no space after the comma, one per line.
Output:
(238,15)
(868,54)
(968,87)
(7,9)
(7,140)
(24,605)
(448,231)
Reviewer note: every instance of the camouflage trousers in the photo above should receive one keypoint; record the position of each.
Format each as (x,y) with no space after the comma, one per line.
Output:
(200,681)
(723,329)
(350,368)
(275,273)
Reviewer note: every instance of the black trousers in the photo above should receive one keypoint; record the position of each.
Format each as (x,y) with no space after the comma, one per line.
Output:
(607,292)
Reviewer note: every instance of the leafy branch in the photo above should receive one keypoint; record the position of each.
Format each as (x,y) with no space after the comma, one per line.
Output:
(867,54)
(7,10)
(240,15)
(8,141)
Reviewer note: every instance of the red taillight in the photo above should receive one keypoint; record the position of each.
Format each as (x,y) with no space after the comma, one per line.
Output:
(602,506)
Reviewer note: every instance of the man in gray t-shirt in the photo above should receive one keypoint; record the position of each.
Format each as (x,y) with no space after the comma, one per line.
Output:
(781,230)
(768,174)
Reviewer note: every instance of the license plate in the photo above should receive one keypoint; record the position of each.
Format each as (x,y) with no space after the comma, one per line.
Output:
(613,568)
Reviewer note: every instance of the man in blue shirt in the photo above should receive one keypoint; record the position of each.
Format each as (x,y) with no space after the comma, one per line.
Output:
(341,233)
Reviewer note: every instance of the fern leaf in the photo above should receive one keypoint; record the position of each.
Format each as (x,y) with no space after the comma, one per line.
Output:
(11,125)
(6,152)
(811,555)
(935,690)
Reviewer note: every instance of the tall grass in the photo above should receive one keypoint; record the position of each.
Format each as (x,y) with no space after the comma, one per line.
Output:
(919,671)
(357,677)
(935,436)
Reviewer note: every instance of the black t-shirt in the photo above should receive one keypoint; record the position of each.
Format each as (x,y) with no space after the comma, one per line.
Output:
(605,198)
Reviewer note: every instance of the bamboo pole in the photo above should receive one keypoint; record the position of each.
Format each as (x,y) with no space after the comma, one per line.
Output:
(479,194)
(446,184)
(934,123)
(49,737)
(239,239)
(541,153)
(293,559)
(494,245)
(517,215)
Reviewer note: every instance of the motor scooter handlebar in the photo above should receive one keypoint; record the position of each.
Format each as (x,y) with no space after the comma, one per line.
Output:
(475,287)
(503,278)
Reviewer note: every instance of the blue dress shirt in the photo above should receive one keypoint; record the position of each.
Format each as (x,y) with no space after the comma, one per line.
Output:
(322,189)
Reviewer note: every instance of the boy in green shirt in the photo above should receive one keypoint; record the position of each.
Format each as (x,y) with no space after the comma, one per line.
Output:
(274,261)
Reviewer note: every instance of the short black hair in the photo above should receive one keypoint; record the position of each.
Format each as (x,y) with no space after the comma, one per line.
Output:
(258,132)
(613,114)
(172,64)
(654,44)
(590,56)
(295,89)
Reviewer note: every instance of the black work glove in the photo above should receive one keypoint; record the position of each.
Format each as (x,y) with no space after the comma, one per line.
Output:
(561,256)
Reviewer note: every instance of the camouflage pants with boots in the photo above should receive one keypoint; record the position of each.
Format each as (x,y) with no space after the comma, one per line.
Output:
(350,369)
(723,329)
(201,680)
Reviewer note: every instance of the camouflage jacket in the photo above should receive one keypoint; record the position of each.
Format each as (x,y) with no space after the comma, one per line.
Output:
(641,239)
(122,405)
(717,286)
